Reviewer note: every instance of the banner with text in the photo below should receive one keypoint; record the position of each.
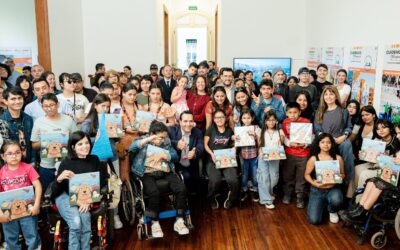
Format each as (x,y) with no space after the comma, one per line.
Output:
(22,56)
(333,58)
(314,57)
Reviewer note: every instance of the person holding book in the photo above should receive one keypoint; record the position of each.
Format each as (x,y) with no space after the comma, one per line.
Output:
(13,175)
(163,111)
(242,101)
(197,99)
(297,155)
(52,123)
(331,118)
(268,170)
(375,188)
(249,154)
(266,101)
(219,100)
(325,191)
(219,136)
(158,137)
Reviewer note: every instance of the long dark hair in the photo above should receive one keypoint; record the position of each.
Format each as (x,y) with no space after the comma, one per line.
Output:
(206,88)
(74,138)
(355,119)
(27,99)
(248,112)
(93,115)
(239,107)
(308,113)
(215,104)
(315,149)
(386,124)
(155,85)
(268,115)
(126,88)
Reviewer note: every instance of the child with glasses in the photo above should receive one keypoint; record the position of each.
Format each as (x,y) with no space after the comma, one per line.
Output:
(16,174)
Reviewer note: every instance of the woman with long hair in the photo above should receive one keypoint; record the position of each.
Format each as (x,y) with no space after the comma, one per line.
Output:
(219,100)
(197,99)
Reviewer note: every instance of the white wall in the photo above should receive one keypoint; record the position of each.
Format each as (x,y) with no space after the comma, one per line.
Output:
(267,28)
(351,23)
(18,25)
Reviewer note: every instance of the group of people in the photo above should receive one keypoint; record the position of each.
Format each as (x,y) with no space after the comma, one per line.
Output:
(195,113)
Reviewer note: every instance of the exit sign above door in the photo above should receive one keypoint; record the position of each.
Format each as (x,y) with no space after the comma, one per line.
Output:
(192,7)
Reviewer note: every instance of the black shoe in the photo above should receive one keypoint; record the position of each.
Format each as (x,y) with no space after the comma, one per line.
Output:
(300,202)
(243,195)
(214,203)
(356,215)
(228,202)
(255,196)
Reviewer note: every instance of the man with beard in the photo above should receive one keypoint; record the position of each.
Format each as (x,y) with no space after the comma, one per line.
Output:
(154,73)
(279,85)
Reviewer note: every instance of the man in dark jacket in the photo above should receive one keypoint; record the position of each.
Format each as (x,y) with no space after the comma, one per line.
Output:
(167,83)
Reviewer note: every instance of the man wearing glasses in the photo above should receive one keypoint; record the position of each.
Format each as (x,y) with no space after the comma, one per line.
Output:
(304,84)
(90,94)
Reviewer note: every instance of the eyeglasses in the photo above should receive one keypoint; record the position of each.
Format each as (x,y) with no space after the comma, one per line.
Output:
(15,154)
(50,106)
(71,82)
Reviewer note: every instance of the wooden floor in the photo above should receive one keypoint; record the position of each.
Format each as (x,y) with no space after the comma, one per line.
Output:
(249,227)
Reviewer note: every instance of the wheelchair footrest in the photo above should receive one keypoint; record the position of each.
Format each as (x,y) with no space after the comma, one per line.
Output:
(165,215)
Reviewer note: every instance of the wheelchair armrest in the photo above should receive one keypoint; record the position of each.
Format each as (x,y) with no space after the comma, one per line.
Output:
(358,191)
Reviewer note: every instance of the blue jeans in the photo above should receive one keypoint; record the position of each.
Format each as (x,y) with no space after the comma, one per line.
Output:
(30,230)
(346,151)
(249,165)
(319,199)
(267,177)
(79,223)
(47,176)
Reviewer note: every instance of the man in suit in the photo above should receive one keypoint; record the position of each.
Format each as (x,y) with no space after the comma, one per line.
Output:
(189,143)
(167,83)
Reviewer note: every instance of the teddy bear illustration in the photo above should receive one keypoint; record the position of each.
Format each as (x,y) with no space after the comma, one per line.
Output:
(84,194)
(386,173)
(111,130)
(274,155)
(54,150)
(327,176)
(154,160)
(225,161)
(18,209)
(371,154)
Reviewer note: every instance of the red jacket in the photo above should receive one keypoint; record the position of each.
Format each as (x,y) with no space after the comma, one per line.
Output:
(300,152)
(197,104)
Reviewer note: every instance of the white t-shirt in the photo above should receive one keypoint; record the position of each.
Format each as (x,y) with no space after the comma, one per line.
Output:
(34,110)
(272,139)
(73,107)
(344,91)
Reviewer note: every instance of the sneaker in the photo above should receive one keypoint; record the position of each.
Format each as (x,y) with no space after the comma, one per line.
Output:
(300,202)
(270,206)
(334,217)
(243,195)
(117,222)
(255,196)
(286,199)
(156,231)
(214,203)
(180,227)
(228,203)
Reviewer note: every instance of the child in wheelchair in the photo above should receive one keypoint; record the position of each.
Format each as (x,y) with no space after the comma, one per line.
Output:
(155,165)
(79,161)
(16,174)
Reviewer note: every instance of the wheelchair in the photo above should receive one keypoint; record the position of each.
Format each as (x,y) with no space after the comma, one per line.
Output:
(134,205)
(384,215)
(101,221)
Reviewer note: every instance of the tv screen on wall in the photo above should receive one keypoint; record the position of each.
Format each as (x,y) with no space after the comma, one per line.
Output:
(259,65)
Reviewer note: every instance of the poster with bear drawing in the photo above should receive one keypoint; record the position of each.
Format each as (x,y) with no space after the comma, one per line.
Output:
(301,132)
(143,120)
(114,125)
(225,158)
(53,145)
(371,149)
(156,158)
(273,153)
(328,172)
(84,189)
(244,139)
(388,171)
(17,203)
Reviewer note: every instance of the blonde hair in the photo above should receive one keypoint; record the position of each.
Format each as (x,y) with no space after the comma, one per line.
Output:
(111,72)
(322,105)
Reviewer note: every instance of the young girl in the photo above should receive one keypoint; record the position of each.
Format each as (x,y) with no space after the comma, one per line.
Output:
(178,97)
(79,161)
(242,101)
(249,154)
(24,83)
(268,171)
(219,136)
(321,195)
(353,107)
(303,98)
(158,136)
(16,174)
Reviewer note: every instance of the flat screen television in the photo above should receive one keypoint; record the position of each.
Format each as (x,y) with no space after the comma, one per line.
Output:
(259,65)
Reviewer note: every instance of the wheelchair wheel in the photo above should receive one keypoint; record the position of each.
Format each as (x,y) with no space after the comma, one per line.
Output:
(57,237)
(378,240)
(128,202)
(397,224)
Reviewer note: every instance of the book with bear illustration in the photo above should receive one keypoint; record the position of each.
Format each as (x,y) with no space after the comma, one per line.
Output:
(53,145)
(143,120)
(244,138)
(153,158)
(272,153)
(225,158)
(388,171)
(328,172)
(84,189)
(114,125)
(17,203)
(371,149)
(301,132)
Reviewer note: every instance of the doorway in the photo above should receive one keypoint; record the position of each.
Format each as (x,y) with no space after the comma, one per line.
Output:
(192,46)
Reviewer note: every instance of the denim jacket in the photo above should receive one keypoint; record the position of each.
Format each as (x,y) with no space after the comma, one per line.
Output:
(140,155)
(276,106)
(27,123)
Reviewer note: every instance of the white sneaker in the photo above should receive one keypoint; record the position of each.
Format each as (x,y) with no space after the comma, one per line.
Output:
(117,222)
(156,230)
(333,217)
(180,227)
(270,206)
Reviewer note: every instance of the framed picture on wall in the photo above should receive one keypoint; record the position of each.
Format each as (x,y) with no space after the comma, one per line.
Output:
(259,65)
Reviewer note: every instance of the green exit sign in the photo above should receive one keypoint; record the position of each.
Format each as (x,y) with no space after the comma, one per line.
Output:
(193,7)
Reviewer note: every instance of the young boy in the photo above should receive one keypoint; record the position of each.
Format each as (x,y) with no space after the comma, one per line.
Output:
(266,102)
(297,154)
(304,84)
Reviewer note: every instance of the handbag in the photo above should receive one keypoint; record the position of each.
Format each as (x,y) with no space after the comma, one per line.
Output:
(102,146)
(114,185)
